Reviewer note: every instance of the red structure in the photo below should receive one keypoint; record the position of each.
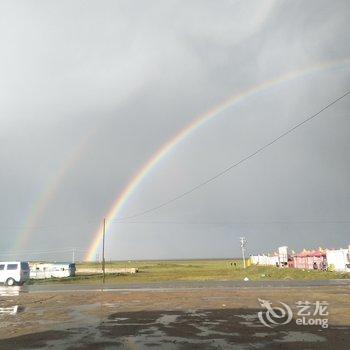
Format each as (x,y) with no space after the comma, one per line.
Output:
(309,260)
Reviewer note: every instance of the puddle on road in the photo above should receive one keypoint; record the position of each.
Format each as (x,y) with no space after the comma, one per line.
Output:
(12,310)
(250,321)
(112,305)
(161,329)
(300,337)
(208,332)
(166,319)
(170,330)
(119,319)
(10,291)
(7,292)
(261,335)
(249,317)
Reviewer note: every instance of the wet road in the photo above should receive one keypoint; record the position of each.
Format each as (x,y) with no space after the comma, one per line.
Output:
(171,315)
(167,286)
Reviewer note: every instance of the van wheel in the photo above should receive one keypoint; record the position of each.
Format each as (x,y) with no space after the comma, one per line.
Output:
(10,282)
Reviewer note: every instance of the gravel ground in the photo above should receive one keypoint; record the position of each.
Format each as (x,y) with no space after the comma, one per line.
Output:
(207,316)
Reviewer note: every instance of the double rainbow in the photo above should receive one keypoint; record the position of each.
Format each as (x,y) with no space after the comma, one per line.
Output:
(48,192)
(188,130)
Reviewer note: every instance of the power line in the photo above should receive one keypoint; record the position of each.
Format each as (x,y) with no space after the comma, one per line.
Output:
(200,185)
(44,251)
(275,222)
(250,222)
(236,164)
(39,227)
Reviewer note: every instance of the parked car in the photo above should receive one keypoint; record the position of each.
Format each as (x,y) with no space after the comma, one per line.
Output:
(14,272)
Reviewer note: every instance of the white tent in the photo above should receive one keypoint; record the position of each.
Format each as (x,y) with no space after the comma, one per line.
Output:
(339,258)
(264,260)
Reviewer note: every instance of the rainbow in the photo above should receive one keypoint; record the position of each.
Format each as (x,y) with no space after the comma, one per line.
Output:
(48,192)
(188,130)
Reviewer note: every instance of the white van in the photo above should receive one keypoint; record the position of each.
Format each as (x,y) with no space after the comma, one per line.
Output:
(14,272)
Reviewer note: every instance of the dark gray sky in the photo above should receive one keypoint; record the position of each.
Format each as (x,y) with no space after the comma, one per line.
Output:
(89,90)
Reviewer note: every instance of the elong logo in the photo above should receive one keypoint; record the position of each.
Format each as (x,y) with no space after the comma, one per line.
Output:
(274,316)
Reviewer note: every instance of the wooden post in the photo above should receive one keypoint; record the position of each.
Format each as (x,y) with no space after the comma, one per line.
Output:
(103,252)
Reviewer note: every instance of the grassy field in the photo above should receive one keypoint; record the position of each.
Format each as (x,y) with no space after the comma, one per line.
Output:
(193,270)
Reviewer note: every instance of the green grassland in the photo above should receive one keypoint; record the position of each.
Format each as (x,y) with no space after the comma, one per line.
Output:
(192,270)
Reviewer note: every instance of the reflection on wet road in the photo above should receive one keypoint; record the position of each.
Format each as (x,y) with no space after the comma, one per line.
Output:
(190,315)
(12,310)
(9,291)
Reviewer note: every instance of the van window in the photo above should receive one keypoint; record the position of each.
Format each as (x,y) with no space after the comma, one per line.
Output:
(12,267)
(24,266)
(2,267)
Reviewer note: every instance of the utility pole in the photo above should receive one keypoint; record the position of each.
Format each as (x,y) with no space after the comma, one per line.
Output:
(243,245)
(103,252)
(73,257)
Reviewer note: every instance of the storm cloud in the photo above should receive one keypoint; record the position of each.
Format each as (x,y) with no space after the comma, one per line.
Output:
(91,90)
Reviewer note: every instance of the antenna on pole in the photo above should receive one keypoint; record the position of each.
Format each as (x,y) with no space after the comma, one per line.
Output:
(103,252)
(243,246)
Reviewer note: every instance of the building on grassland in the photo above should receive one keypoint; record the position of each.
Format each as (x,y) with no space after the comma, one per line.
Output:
(320,259)
(279,258)
(42,270)
(264,260)
(310,260)
(338,259)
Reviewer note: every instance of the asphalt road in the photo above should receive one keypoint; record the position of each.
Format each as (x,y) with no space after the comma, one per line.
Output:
(166,286)
(173,315)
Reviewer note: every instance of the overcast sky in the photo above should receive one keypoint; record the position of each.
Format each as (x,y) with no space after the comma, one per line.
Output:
(89,90)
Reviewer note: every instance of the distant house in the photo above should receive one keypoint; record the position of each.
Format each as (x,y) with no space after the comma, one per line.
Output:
(264,260)
(338,259)
(310,260)
(279,258)
(283,256)
(42,270)
(329,259)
